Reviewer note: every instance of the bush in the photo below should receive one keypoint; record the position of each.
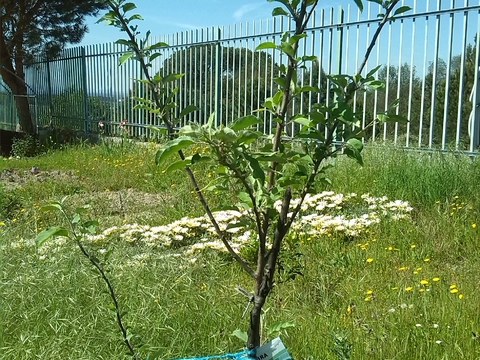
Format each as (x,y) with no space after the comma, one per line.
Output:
(8,204)
(26,146)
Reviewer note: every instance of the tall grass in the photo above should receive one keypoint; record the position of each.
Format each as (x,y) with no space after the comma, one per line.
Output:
(415,298)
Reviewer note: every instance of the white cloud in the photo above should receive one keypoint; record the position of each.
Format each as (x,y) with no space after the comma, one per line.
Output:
(245,9)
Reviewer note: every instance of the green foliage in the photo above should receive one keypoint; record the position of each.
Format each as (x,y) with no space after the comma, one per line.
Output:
(9,204)
(37,28)
(342,347)
(25,146)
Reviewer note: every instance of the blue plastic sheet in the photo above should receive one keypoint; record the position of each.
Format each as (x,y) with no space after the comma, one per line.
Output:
(241,355)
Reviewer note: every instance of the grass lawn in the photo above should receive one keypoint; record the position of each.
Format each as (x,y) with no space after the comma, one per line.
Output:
(395,289)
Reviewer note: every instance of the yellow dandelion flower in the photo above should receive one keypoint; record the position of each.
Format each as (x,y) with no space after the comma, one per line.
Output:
(421,290)
(368,298)
(413,246)
(369,292)
(2,223)
(424,282)
(409,288)
(454,291)
(474,226)
(369,260)
(436,279)
(426,259)
(403,268)
(460,296)
(453,286)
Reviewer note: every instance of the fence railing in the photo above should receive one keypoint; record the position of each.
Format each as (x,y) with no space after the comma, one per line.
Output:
(429,60)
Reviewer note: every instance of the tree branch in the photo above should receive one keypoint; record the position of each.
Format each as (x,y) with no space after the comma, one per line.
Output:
(385,19)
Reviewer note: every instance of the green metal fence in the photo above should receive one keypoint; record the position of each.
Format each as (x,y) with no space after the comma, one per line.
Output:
(429,58)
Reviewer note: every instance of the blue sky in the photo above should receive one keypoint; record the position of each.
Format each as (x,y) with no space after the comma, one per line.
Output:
(163,17)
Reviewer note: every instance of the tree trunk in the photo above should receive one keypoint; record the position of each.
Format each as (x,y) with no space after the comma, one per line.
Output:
(14,78)
(24,114)
(19,90)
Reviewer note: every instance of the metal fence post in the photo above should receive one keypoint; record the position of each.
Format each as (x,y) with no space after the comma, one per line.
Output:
(341,16)
(85,92)
(475,119)
(218,80)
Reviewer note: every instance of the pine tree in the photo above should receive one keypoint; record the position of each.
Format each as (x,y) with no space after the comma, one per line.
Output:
(37,28)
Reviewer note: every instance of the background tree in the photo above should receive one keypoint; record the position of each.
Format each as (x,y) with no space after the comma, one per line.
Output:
(245,78)
(450,100)
(31,28)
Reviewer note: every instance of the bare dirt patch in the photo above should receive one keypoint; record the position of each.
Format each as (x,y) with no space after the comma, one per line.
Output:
(12,178)
(125,203)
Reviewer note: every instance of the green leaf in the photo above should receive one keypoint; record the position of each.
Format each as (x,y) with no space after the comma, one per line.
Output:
(359,4)
(278,11)
(384,118)
(180,164)
(172,77)
(90,226)
(279,326)
(353,150)
(128,6)
(245,122)
(52,206)
(303,121)
(309,58)
(280,81)
(189,109)
(242,335)
(76,218)
(287,48)
(373,71)
(247,202)
(123,42)
(157,129)
(296,38)
(376,84)
(247,137)
(258,172)
(50,232)
(211,121)
(197,158)
(308,88)
(135,17)
(266,45)
(125,57)
(317,117)
(171,147)
(157,46)
(154,56)
(401,10)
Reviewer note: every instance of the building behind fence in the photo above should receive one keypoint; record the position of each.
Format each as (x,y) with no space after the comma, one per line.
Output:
(429,59)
